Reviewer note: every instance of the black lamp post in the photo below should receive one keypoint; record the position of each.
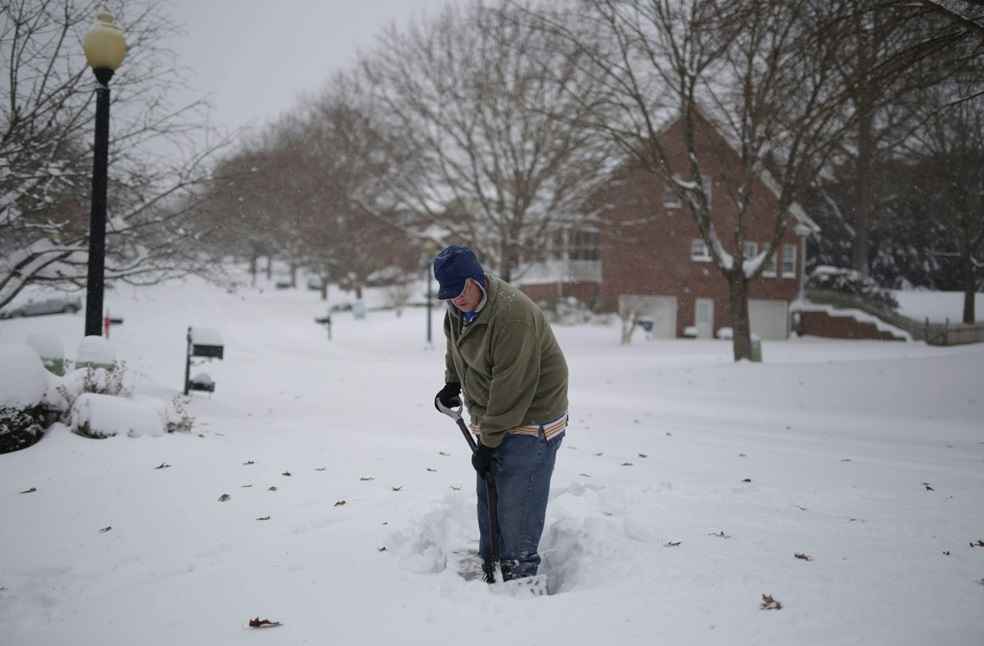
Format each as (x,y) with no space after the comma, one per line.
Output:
(105,49)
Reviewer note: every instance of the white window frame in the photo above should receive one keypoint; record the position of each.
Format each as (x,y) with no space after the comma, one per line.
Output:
(670,198)
(750,249)
(789,254)
(698,257)
(771,269)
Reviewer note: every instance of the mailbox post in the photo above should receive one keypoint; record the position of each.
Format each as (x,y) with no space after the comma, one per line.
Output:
(206,343)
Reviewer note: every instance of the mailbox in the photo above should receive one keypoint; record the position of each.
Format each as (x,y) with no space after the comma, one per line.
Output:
(207,344)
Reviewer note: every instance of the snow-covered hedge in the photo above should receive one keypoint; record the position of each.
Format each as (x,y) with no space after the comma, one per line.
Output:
(23,386)
(851,283)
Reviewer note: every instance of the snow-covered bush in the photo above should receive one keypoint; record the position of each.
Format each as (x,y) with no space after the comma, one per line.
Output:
(23,387)
(851,283)
(101,416)
(49,347)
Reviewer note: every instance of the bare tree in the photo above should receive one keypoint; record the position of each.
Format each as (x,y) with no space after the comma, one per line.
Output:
(482,103)
(45,149)
(949,154)
(678,68)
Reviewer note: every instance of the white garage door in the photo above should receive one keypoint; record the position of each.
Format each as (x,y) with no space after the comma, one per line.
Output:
(769,319)
(661,310)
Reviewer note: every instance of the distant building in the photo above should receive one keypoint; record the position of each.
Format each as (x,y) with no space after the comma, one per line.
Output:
(646,246)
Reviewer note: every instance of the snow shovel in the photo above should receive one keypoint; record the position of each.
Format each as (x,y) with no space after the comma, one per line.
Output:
(490,491)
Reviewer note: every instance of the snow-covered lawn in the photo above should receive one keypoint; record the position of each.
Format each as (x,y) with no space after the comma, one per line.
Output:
(684,489)
(937,306)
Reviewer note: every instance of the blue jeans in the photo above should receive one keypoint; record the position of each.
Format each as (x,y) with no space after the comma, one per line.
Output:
(524,464)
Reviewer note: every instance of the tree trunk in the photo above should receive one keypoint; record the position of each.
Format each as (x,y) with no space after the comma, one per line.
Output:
(863,178)
(293,275)
(738,303)
(269,268)
(324,288)
(358,291)
(864,187)
(254,262)
(507,263)
(970,289)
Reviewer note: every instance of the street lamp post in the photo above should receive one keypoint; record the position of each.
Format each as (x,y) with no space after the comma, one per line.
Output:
(105,49)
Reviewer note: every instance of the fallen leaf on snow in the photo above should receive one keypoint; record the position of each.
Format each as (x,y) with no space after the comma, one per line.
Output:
(747,480)
(339,503)
(163,465)
(224,497)
(31,490)
(431,470)
(673,544)
(248,462)
(928,486)
(397,488)
(768,603)
(263,518)
(803,557)
(271,488)
(256,622)
(720,534)
(105,529)
(286,473)
(643,455)
(320,468)
(626,464)
(584,475)
(381,549)
(444,453)
(978,543)
(367,478)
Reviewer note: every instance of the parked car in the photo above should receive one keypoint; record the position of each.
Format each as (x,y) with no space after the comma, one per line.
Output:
(57,305)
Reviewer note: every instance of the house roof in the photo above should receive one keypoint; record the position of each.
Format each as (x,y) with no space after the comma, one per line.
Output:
(795,209)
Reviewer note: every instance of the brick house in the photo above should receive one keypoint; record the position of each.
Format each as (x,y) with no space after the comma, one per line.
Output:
(646,248)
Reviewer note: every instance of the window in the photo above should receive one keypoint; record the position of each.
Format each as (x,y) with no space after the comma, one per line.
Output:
(749,250)
(559,244)
(770,266)
(706,181)
(670,198)
(789,261)
(699,251)
(584,245)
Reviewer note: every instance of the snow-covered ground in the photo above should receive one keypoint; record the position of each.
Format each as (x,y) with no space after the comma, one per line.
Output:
(867,457)
(937,306)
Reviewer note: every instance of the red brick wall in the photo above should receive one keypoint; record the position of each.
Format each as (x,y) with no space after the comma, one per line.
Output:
(588,293)
(645,248)
(841,327)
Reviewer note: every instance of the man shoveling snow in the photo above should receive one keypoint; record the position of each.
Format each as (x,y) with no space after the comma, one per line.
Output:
(502,354)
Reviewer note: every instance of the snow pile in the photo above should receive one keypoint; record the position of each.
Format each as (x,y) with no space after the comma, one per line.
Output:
(23,379)
(101,416)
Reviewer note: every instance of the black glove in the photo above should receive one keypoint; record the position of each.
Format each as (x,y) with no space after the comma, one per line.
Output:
(448,396)
(483,459)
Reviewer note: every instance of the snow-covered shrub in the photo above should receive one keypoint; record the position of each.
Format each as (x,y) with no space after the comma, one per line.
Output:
(49,347)
(726,333)
(851,283)
(23,386)
(101,416)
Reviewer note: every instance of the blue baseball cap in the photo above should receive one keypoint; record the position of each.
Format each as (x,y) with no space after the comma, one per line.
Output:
(453,267)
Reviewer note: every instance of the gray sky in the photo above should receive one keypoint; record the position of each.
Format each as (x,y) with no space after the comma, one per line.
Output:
(253,58)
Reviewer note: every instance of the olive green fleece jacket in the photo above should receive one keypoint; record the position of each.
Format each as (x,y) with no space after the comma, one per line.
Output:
(511,370)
